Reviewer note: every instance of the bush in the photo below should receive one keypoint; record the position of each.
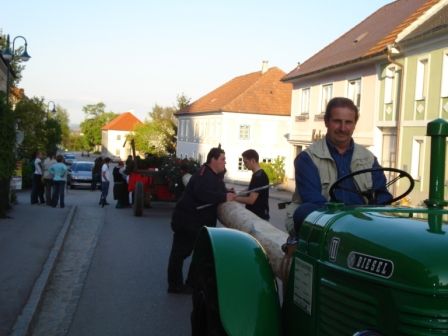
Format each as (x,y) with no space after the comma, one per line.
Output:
(275,170)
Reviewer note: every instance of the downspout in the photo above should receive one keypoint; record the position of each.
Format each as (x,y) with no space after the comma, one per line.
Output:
(392,49)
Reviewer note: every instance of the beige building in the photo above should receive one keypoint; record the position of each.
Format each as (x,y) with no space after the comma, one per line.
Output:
(351,67)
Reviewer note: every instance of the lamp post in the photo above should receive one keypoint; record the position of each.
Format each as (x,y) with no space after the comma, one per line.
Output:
(52,110)
(8,55)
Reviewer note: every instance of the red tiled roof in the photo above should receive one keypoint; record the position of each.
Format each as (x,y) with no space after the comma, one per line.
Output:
(124,122)
(257,93)
(367,39)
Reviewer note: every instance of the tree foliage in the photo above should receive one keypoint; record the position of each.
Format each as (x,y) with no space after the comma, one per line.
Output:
(158,135)
(41,131)
(275,170)
(96,118)
(7,145)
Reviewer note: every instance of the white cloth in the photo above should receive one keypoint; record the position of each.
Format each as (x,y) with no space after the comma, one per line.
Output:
(105,173)
(48,162)
(38,166)
(186,179)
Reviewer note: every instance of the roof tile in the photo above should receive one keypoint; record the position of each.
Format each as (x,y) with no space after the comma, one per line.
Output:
(124,122)
(257,93)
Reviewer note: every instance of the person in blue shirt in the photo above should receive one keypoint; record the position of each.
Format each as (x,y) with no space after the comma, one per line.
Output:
(59,172)
(332,157)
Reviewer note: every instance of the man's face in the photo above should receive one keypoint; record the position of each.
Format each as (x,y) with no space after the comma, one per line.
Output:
(340,126)
(247,163)
(219,164)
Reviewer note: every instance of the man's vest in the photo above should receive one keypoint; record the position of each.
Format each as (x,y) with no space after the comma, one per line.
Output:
(322,159)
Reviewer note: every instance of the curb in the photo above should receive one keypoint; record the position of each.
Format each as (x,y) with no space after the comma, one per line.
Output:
(25,320)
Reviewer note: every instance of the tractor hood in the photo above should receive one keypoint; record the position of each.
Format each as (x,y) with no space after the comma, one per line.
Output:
(381,244)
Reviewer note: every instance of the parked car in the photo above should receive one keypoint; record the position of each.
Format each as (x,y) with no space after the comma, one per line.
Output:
(80,174)
(69,159)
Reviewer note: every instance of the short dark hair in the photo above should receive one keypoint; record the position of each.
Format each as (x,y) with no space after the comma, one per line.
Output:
(251,154)
(107,159)
(59,158)
(340,102)
(214,153)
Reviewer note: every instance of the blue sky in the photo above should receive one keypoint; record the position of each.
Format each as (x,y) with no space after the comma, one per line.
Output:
(136,53)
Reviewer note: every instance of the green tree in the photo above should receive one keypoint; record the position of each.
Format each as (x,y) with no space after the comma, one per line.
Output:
(61,116)
(7,145)
(31,114)
(154,137)
(96,118)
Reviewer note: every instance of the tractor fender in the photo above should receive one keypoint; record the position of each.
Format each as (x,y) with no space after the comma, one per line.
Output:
(246,287)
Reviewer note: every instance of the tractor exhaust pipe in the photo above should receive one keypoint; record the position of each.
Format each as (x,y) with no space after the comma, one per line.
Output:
(438,131)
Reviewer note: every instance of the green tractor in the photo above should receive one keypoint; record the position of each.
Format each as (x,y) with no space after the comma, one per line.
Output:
(361,270)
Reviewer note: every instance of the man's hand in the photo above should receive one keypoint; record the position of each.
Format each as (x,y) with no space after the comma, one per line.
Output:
(230,196)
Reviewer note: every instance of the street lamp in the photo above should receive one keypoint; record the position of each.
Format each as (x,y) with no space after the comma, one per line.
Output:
(8,55)
(52,110)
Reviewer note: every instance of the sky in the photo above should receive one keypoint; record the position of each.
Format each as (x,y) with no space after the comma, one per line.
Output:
(134,54)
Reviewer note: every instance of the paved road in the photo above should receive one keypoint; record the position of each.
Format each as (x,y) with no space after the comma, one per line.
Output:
(111,277)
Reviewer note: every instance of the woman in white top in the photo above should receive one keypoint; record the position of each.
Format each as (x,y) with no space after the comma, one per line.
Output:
(48,177)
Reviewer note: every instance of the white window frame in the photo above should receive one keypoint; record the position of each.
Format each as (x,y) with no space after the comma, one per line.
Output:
(444,89)
(417,158)
(421,80)
(327,94)
(305,101)
(244,133)
(354,91)
(389,85)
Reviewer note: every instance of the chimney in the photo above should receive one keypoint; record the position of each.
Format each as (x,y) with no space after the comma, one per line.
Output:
(264,67)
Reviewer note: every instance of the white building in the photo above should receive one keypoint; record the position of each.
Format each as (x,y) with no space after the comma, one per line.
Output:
(114,133)
(249,111)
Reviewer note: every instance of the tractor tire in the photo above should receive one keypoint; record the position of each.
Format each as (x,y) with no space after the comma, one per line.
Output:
(138,199)
(205,318)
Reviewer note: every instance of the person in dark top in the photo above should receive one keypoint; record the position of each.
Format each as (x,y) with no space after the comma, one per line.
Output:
(196,208)
(96,173)
(256,201)
(120,186)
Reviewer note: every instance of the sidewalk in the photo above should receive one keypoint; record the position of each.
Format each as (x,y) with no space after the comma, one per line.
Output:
(28,242)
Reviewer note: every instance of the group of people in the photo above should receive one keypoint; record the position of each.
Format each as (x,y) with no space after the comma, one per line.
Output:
(316,169)
(48,180)
(120,174)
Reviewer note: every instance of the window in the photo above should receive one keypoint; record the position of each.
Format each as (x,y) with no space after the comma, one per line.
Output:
(117,152)
(445,75)
(244,132)
(422,79)
(417,156)
(241,166)
(118,137)
(389,84)
(354,91)
(305,102)
(327,94)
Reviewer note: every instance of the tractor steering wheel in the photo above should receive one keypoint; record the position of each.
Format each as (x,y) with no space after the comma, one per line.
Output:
(371,193)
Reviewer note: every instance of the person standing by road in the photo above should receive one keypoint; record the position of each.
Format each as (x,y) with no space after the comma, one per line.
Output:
(96,173)
(196,208)
(59,172)
(256,201)
(105,182)
(48,177)
(37,188)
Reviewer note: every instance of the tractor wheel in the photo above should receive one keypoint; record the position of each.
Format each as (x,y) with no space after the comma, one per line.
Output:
(138,199)
(205,318)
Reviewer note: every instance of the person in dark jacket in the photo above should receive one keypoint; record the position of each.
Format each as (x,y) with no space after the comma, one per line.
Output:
(196,208)
(96,173)
(120,186)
